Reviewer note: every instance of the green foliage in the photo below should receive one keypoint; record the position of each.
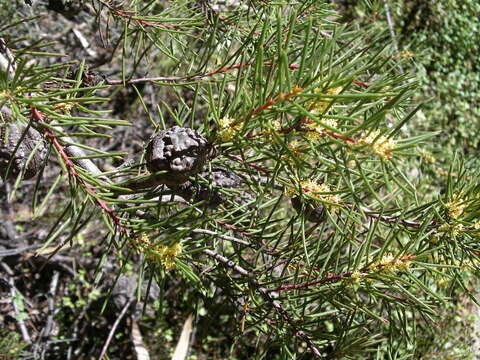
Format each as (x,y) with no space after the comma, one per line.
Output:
(12,346)
(443,37)
(445,41)
(332,244)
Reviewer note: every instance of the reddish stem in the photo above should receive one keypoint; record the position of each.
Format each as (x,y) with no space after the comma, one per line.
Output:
(332,277)
(146,23)
(278,98)
(238,66)
(339,136)
(233,228)
(361,83)
(190,78)
(71,170)
(253,165)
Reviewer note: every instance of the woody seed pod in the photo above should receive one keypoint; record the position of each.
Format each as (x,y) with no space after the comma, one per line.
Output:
(180,152)
(11,136)
(313,213)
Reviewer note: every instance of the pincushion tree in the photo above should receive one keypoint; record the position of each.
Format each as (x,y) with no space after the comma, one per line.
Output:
(279,173)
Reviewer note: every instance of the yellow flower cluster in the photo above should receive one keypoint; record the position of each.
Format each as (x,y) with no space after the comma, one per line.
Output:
(318,106)
(5,94)
(476,226)
(357,276)
(297,151)
(451,230)
(427,156)
(317,191)
(382,146)
(228,129)
(455,207)
(157,253)
(164,255)
(296,147)
(315,130)
(389,264)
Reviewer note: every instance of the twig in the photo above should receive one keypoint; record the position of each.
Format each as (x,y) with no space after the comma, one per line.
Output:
(114,327)
(13,290)
(177,79)
(51,312)
(7,223)
(391,28)
(390,25)
(252,165)
(73,172)
(333,278)
(7,61)
(264,292)
(222,236)
(269,103)
(140,22)
(13,252)
(395,219)
(137,339)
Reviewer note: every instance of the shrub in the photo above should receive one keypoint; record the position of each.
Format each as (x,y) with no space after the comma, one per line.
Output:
(264,179)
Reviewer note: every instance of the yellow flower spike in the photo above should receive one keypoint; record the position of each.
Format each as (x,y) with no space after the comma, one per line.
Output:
(140,242)
(356,276)
(296,147)
(144,239)
(315,131)
(316,191)
(455,207)
(451,230)
(380,145)
(228,129)
(476,226)
(403,264)
(318,106)
(427,156)
(296,89)
(387,263)
(164,255)
(442,282)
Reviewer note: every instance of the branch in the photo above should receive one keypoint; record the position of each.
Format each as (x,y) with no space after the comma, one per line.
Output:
(395,219)
(186,79)
(138,345)
(73,172)
(390,25)
(264,292)
(114,327)
(333,278)
(51,312)
(132,17)
(18,315)
(7,61)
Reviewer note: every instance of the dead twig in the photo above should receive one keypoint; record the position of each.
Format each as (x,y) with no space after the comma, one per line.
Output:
(114,327)
(51,312)
(7,61)
(140,349)
(14,293)
(265,294)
